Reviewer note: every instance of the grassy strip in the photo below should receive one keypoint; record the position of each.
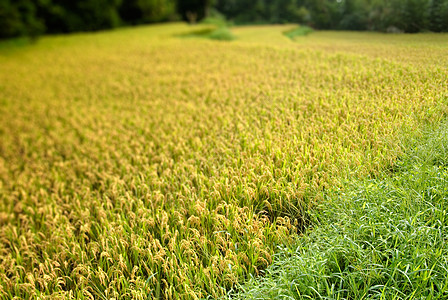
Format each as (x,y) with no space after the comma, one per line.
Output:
(298,31)
(219,30)
(220,34)
(383,238)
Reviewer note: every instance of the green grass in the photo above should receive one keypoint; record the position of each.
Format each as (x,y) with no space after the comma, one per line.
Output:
(220,33)
(374,239)
(298,31)
(16,43)
(217,19)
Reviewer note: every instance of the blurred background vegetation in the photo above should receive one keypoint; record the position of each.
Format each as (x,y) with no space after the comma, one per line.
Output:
(34,17)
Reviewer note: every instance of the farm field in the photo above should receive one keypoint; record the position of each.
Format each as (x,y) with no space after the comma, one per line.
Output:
(138,164)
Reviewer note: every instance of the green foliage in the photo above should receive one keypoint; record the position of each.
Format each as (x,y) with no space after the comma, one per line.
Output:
(193,10)
(409,16)
(33,17)
(438,15)
(14,43)
(299,31)
(18,18)
(147,11)
(10,20)
(354,15)
(96,14)
(415,16)
(221,33)
(217,28)
(216,18)
(383,238)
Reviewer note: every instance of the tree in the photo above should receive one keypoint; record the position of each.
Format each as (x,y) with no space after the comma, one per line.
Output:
(18,18)
(415,15)
(193,10)
(81,15)
(354,15)
(147,11)
(438,16)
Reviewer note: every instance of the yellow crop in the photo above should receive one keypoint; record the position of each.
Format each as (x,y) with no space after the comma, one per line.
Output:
(135,163)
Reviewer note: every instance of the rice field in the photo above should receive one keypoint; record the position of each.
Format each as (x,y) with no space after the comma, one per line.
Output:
(135,164)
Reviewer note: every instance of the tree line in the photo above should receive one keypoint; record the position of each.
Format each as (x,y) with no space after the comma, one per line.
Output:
(34,17)
(375,15)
